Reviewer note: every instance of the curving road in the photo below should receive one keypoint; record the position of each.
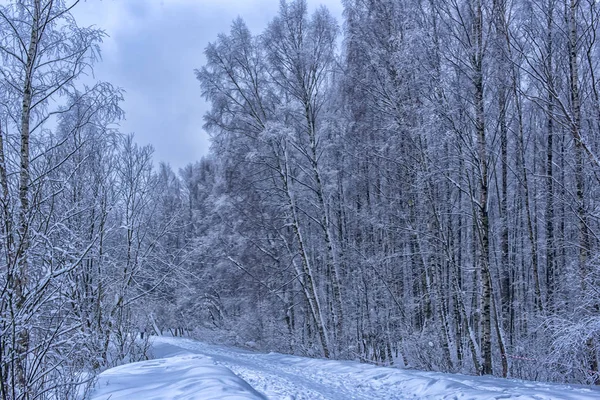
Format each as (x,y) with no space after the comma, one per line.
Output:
(284,377)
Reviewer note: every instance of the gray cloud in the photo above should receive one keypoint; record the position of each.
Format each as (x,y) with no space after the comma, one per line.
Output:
(151,52)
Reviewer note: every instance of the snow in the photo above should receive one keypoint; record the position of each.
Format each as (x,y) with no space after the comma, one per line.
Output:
(187,377)
(190,370)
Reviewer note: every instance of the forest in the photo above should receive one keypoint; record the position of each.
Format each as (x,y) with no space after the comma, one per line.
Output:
(414,186)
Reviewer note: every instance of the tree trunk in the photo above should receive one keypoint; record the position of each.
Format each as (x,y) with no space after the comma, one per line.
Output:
(550,248)
(482,217)
(21,277)
(309,284)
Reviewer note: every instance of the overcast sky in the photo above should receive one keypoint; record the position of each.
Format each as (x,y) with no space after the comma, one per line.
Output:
(152,50)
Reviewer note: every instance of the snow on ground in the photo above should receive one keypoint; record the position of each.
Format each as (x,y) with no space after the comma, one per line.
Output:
(190,370)
(186,377)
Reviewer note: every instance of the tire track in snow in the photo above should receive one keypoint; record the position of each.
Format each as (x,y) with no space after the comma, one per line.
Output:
(275,379)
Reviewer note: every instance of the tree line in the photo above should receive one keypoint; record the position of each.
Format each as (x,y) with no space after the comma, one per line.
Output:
(424,194)
(414,186)
(83,224)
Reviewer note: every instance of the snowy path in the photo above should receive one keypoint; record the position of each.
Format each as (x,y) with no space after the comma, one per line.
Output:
(189,370)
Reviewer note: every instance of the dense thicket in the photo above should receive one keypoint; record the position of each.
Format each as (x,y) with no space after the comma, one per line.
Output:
(84,221)
(427,196)
(418,188)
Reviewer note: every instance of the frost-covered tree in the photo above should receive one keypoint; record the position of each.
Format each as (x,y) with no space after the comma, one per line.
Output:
(79,202)
(428,197)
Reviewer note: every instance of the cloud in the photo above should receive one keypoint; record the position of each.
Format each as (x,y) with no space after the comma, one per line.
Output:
(153,48)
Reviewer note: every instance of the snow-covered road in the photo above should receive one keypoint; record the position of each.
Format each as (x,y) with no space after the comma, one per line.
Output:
(190,370)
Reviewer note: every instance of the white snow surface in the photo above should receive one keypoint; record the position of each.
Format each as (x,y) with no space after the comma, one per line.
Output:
(179,377)
(189,370)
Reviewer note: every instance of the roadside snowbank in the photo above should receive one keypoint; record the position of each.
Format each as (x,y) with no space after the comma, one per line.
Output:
(187,377)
